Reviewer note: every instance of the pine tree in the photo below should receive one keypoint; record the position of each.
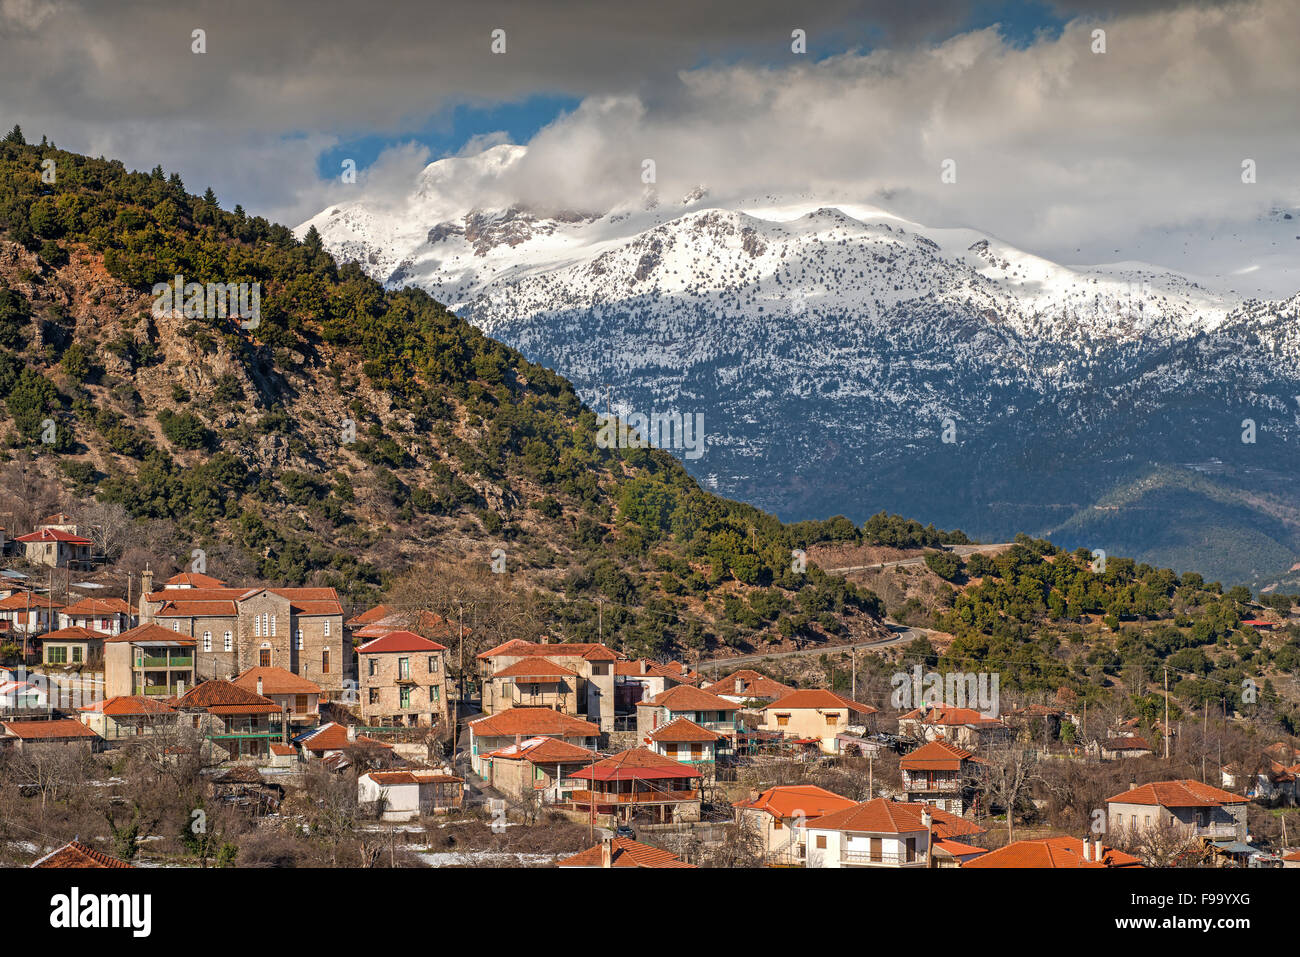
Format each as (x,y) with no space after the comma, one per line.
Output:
(16,136)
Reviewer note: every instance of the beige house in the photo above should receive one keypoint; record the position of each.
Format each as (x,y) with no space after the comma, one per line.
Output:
(127,717)
(57,735)
(403,681)
(505,728)
(536,683)
(297,629)
(706,710)
(781,815)
(148,660)
(941,774)
(748,688)
(815,714)
(538,769)
(58,549)
(298,698)
(592,667)
(109,616)
(1200,810)
(72,647)
(407,795)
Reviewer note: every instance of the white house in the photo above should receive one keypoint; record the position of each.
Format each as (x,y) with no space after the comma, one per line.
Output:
(411,794)
(883,833)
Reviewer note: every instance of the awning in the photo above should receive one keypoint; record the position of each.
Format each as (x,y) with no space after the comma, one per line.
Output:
(1234,847)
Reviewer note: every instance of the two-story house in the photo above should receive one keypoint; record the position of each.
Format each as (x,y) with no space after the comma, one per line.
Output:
(748,688)
(514,726)
(403,681)
(592,667)
(237,723)
(109,616)
(639,785)
(940,774)
(815,714)
(884,833)
(964,727)
(1199,810)
(538,769)
(148,660)
(298,698)
(700,707)
(781,816)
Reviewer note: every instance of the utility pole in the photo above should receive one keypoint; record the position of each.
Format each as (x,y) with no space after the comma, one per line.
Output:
(1166,712)
(853,655)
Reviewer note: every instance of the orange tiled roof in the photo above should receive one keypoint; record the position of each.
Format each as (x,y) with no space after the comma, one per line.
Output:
(194,580)
(950,717)
(73,633)
(754,685)
(399,642)
(123,704)
(684,731)
(935,756)
(794,799)
(1185,793)
(150,634)
(415,776)
(534,668)
(644,668)
(819,699)
(214,601)
(518,648)
(1051,852)
(53,535)
(542,750)
(625,852)
(224,697)
(22,600)
(59,728)
(89,607)
(1130,742)
(334,737)
(688,698)
(74,854)
(531,722)
(640,764)
(882,816)
(275,681)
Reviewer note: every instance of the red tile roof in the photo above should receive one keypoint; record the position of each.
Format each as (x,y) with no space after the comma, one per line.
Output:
(640,764)
(53,535)
(22,600)
(59,728)
(1130,742)
(819,699)
(123,705)
(90,607)
(644,668)
(625,852)
(1051,852)
(518,648)
(753,685)
(74,854)
(688,698)
(935,756)
(1185,793)
(882,816)
(399,642)
(416,776)
(792,800)
(542,750)
(334,737)
(369,615)
(534,668)
(224,697)
(531,722)
(275,681)
(73,633)
(150,634)
(950,717)
(685,731)
(194,580)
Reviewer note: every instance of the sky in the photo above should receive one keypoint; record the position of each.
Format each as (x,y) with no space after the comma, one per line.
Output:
(1083,156)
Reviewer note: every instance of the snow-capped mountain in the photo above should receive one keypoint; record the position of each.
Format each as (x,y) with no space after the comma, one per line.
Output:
(847,360)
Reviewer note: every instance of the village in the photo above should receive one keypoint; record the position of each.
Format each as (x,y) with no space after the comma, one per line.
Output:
(273,710)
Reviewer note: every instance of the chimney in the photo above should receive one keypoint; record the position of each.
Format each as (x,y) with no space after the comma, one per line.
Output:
(607,852)
(1098,851)
(740,685)
(545,640)
(352,732)
(645,666)
(753,795)
(259,685)
(180,688)
(1132,784)
(146,581)
(1087,849)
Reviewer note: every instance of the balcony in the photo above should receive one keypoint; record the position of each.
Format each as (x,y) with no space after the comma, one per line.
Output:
(882,859)
(935,785)
(186,661)
(1219,830)
(640,797)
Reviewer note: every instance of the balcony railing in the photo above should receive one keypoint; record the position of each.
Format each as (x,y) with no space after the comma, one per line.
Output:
(640,797)
(1219,829)
(890,858)
(946,785)
(164,662)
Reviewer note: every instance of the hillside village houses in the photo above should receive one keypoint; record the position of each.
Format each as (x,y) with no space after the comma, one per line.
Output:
(699,707)
(940,774)
(587,686)
(403,681)
(781,816)
(815,715)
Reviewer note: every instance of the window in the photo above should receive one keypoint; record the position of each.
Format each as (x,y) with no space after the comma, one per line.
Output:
(327,628)
(264,656)
(56,654)
(433,664)
(782,720)
(777,824)
(821,842)
(273,631)
(76,654)
(257,626)
(176,626)
(372,668)
(299,639)
(300,703)
(229,640)
(404,696)
(207,641)
(832,717)
(403,667)
(435,694)
(374,696)
(325,662)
